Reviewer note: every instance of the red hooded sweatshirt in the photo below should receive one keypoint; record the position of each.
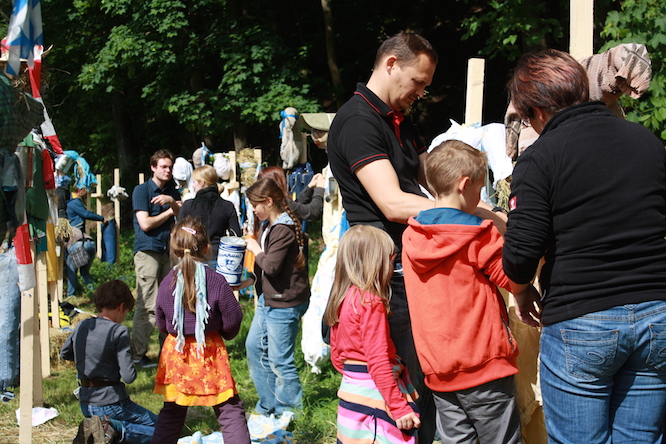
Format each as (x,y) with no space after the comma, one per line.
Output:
(459,320)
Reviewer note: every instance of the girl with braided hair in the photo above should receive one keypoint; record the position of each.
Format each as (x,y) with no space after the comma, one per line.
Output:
(284,293)
(198,310)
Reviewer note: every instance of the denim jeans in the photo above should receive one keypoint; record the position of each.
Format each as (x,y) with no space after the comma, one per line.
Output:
(109,242)
(10,322)
(270,345)
(603,376)
(138,423)
(401,334)
(85,270)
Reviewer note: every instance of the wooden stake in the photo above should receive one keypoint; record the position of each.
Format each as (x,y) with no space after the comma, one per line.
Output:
(474,96)
(582,28)
(42,296)
(116,212)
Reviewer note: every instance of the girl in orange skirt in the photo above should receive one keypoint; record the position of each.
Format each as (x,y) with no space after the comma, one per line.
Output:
(198,310)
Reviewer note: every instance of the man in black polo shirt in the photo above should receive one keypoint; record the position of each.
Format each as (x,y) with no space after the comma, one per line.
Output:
(377,156)
(156,203)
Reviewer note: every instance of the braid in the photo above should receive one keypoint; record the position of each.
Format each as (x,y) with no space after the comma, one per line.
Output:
(300,236)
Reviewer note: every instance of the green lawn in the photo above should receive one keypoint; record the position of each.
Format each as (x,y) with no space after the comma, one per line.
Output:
(315,424)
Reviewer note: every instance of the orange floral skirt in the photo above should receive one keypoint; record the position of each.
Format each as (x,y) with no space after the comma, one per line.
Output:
(189,379)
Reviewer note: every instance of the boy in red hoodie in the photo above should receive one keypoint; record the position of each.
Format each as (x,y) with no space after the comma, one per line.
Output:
(452,263)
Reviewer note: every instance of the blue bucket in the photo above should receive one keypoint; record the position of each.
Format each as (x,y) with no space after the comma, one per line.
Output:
(230,257)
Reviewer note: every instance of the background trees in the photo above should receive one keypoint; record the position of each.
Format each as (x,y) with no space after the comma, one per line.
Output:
(127,77)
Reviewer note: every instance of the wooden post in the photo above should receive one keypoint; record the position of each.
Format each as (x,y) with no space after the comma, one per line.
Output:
(98,209)
(31,370)
(581,31)
(116,212)
(232,161)
(474,96)
(42,296)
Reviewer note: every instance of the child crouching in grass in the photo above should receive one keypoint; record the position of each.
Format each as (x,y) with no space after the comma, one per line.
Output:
(100,347)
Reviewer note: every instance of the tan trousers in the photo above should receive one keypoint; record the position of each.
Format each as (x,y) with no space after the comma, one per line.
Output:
(150,267)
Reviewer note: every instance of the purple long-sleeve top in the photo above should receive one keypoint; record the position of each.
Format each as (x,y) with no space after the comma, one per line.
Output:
(225,313)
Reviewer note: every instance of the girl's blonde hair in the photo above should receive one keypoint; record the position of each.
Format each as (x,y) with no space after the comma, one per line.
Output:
(189,240)
(208,176)
(365,260)
(264,188)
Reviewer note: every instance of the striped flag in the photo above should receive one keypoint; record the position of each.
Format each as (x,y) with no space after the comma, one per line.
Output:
(23,34)
(35,72)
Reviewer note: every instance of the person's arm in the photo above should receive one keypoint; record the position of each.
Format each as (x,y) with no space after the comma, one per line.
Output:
(280,240)
(381,182)
(147,222)
(124,355)
(232,315)
(530,222)
(164,297)
(310,209)
(67,350)
(165,199)
(80,210)
(528,303)
(375,345)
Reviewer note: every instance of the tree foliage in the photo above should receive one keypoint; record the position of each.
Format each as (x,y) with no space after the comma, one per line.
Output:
(516,26)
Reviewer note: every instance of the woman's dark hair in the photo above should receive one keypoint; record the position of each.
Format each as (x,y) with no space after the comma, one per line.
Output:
(551,80)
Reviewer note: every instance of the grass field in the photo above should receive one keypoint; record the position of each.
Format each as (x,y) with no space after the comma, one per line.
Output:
(315,424)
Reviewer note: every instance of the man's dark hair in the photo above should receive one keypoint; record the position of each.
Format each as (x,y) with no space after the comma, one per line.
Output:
(160,154)
(406,47)
(111,294)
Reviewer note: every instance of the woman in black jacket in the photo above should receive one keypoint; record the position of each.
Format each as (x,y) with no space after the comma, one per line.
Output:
(216,214)
(590,196)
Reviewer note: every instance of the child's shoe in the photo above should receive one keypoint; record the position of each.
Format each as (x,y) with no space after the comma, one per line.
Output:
(260,426)
(111,435)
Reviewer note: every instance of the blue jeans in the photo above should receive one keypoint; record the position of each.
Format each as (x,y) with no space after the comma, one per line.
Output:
(85,270)
(138,423)
(603,376)
(10,321)
(270,345)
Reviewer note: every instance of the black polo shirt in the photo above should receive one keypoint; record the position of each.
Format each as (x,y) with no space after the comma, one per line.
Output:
(362,132)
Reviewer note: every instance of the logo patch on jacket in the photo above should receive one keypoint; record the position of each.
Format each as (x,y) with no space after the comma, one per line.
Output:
(513,203)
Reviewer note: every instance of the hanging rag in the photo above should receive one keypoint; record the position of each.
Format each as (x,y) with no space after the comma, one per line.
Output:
(290,150)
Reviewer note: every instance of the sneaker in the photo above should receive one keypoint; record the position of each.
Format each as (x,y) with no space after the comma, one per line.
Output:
(144,362)
(110,434)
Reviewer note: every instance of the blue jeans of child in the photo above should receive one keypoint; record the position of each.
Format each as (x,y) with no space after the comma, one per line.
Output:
(138,423)
(603,376)
(270,345)
(85,270)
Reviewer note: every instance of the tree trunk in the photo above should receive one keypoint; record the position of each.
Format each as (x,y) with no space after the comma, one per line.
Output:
(330,52)
(240,136)
(127,152)
(122,123)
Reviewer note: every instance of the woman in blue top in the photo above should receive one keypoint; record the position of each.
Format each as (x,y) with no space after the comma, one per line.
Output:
(77,213)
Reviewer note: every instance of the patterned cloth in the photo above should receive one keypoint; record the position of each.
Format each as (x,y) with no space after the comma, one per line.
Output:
(20,113)
(189,378)
(363,416)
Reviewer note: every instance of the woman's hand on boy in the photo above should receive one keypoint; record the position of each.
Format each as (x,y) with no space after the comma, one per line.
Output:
(528,304)
(408,422)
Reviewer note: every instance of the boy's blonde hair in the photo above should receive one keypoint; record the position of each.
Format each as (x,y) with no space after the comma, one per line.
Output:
(450,161)
(364,260)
